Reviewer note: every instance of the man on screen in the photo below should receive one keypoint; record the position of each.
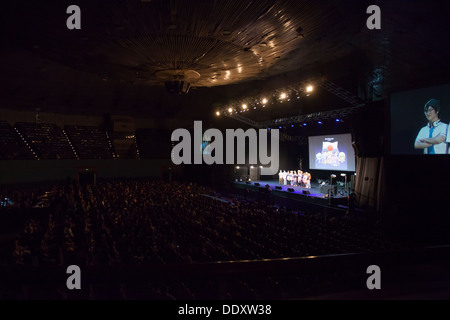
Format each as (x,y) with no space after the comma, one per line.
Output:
(448,139)
(431,138)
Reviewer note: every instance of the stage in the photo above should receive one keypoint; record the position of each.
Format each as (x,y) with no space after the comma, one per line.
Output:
(314,195)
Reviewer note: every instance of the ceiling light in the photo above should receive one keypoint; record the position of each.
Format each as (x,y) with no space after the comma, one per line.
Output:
(309,88)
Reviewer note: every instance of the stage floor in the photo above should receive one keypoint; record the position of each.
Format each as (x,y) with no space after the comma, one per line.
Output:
(314,190)
(311,195)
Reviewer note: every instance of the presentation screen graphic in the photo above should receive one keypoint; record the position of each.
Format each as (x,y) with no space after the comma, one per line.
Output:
(419,121)
(331,152)
(206,141)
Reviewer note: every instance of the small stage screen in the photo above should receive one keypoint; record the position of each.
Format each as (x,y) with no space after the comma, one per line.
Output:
(331,152)
(419,121)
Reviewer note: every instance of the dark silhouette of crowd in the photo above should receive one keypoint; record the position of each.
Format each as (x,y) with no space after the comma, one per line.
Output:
(145,223)
(162,223)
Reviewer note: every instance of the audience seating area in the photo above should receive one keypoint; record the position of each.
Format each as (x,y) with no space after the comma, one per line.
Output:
(131,223)
(89,142)
(29,140)
(46,140)
(12,147)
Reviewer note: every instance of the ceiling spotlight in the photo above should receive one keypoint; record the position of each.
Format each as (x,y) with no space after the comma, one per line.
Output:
(309,88)
(337,120)
(244,106)
(230,110)
(319,122)
(264,101)
(283,96)
(217,113)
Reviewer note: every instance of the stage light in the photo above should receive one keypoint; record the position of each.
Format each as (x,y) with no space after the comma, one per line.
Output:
(337,120)
(309,88)
(244,106)
(319,122)
(261,167)
(237,167)
(280,127)
(333,176)
(218,113)
(230,110)
(292,125)
(343,174)
(251,167)
(264,101)
(304,124)
(283,96)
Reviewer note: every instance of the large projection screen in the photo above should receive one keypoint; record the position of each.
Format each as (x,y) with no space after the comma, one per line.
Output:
(410,120)
(331,152)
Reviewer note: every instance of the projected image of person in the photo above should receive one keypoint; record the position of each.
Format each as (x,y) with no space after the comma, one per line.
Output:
(431,138)
(448,139)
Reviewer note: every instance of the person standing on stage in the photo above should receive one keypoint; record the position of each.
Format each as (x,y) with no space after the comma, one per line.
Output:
(300,178)
(284,177)
(431,138)
(280,177)
(295,178)
(307,180)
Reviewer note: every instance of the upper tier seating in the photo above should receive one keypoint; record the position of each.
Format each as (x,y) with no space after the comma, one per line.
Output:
(11,145)
(46,139)
(90,142)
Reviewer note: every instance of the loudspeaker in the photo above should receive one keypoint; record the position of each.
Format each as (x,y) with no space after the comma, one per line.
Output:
(306,192)
(291,190)
(257,184)
(248,182)
(278,188)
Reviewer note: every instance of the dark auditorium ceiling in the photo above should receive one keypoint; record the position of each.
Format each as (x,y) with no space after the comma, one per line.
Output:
(125,52)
